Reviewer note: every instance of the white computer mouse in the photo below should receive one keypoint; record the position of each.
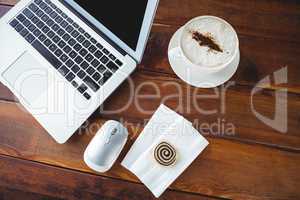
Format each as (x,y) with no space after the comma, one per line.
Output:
(106,146)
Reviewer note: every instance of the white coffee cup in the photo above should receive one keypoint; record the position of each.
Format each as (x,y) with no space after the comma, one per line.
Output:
(205,68)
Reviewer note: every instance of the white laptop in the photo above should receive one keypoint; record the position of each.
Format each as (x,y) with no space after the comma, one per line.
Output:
(62,59)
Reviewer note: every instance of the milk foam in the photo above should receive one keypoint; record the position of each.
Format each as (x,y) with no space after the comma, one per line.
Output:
(223,35)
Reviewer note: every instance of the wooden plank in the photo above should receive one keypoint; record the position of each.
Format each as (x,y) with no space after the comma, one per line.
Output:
(227,169)
(13,194)
(40,181)
(276,19)
(233,109)
(255,64)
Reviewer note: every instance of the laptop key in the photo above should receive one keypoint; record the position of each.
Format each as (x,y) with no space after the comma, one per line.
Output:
(112,57)
(31,28)
(58,52)
(69,29)
(45,29)
(21,17)
(119,62)
(75,33)
(42,5)
(61,32)
(64,58)
(75,68)
(83,52)
(56,39)
(37,1)
(24,32)
(71,42)
(81,30)
(106,76)
(53,47)
(112,66)
(105,51)
(66,37)
(39,13)
(50,34)
(48,10)
(81,74)
(75,84)
(77,47)
(92,49)
(42,37)
(28,13)
(101,68)
(89,57)
(30,38)
(14,23)
(96,76)
(58,19)
(64,24)
(45,18)
(19,27)
(50,22)
(91,83)
(26,22)
(37,32)
(55,27)
(80,39)
(33,7)
(67,49)
(70,76)
(69,63)
(61,44)
(98,54)
(93,40)
(46,54)
(104,59)
(35,20)
(99,46)
(72,54)
(47,42)
(84,65)
(86,44)
(63,70)
(90,70)
(95,63)
(78,59)
(87,96)
(82,88)
(87,35)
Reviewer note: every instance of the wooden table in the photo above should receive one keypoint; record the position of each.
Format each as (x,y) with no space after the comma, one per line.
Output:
(257,162)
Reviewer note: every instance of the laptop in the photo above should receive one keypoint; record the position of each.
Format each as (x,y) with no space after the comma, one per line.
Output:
(63,58)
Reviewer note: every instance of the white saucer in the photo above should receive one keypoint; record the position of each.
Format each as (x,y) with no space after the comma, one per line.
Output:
(203,79)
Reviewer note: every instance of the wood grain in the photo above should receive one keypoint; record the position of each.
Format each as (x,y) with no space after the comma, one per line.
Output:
(225,169)
(192,103)
(257,35)
(41,181)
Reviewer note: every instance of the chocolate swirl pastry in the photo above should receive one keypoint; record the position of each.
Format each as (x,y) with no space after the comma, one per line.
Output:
(165,154)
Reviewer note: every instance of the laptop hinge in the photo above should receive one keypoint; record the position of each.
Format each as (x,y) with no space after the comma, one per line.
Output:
(92,26)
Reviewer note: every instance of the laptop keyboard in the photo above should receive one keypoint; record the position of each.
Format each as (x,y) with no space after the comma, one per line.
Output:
(64,44)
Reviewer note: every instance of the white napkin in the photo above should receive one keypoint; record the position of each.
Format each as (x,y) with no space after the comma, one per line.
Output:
(164,126)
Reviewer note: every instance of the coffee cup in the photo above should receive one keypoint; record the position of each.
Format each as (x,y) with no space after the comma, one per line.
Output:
(207,44)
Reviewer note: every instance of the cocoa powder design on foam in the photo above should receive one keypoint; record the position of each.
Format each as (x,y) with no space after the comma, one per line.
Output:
(206,40)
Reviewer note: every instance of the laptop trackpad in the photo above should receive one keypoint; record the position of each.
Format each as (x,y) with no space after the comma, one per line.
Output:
(27,77)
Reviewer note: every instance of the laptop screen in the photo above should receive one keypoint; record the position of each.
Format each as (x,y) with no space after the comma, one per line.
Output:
(123,18)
